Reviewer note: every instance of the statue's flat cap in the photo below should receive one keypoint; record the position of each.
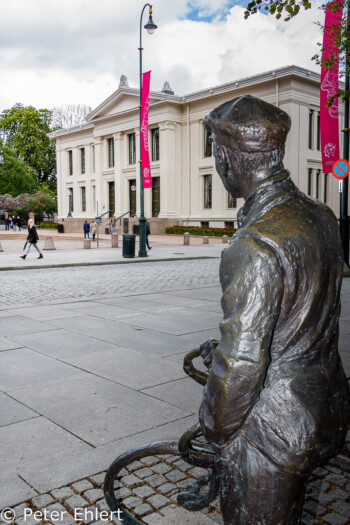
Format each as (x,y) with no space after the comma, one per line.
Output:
(248,124)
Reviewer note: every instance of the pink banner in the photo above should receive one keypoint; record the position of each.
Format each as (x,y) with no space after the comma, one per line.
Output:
(329,87)
(146,168)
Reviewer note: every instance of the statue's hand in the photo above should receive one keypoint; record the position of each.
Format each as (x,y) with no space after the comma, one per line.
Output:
(207,349)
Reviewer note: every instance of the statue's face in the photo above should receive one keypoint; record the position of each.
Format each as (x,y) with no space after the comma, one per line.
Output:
(230,174)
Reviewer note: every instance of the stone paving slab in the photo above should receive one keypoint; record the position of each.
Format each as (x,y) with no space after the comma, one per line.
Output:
(183,393)
(128,367)
(12,411)
(59,343)
(23,368)
(66,470)
(96,410)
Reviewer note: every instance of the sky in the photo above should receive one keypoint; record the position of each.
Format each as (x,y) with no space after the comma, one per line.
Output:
(56,52)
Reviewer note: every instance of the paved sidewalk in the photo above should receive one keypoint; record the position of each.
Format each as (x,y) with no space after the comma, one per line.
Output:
(71,252)
(82,381)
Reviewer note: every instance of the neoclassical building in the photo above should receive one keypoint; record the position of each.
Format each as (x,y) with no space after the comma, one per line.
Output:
(98,162)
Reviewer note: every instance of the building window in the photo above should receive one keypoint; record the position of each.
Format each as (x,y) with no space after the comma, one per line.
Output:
(70,200)
(318,132)
(231,201)
(83,198)
(229,224)
(207,191)
(204,224)
(325,188)
(93,158)
(208,143)
(309,181)
(132,148)
(132,197)
(70,162)
(155,143)
(318,172)
(311,116)
(82,160)
(111,198)
(155,196)
(110,143)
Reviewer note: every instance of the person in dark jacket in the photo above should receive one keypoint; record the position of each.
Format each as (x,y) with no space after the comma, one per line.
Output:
(86,230)
(32,240)
(148,232)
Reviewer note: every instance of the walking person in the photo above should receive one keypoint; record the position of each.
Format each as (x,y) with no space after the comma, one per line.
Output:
(112,224)
(93,229)
(10,223)
(86,230)
(32,240)
(7,223)
(19,223)
(148,232)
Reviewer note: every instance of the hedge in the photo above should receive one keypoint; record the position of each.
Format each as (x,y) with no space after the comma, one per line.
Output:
(199,230)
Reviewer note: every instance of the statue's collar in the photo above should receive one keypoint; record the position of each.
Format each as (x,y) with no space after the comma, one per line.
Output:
(275,188)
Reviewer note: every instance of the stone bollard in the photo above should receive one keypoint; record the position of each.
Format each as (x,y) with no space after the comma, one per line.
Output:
(49,244)
(205,240)
(114,240)
(1,248)
(87,243)
(224,239)
(186,239)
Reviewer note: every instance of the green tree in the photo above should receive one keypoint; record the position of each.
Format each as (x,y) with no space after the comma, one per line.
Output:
(25,130)
(15,176)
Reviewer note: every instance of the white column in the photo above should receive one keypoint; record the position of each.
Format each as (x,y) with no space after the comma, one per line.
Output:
(60,176)
(118,175)
(98,171)
(167,157)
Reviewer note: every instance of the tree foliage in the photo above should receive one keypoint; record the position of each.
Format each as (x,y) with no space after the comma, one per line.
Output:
(38,203)
(15,176)
(68,116)
(288,8)
(25,131)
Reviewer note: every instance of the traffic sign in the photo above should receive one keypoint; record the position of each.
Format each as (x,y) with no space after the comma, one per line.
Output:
(341,168)
(98,220)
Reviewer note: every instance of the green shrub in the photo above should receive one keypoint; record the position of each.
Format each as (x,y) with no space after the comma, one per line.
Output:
(48,225)
(199,230)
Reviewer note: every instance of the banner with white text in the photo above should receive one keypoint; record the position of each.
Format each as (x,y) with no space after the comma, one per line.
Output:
(146,167)
(329,87)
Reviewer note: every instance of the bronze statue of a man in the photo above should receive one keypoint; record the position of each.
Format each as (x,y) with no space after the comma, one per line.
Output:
(277,403)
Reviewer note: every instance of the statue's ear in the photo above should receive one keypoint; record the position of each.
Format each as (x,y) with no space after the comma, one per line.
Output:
(221,160)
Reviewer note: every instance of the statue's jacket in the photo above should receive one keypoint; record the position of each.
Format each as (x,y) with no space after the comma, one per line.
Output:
(276,378)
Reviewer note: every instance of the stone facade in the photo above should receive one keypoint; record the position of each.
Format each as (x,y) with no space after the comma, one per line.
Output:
(98,162)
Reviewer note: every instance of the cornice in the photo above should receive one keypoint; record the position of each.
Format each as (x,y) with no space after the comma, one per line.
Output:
(158,98)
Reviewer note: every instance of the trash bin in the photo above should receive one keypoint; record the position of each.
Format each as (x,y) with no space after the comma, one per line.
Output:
(60,228)
(136,229)
(106,231)
(129,245)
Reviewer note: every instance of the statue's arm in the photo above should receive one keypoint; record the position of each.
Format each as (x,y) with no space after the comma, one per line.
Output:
(252,281)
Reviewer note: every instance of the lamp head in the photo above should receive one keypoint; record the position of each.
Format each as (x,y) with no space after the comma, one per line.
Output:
(150,26)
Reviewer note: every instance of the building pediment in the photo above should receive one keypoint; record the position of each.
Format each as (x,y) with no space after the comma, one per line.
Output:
(124,99)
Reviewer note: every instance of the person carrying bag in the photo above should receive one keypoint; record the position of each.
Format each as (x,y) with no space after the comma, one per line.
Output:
(32,240)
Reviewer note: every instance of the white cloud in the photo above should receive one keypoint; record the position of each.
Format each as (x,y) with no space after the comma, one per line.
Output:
(53,53)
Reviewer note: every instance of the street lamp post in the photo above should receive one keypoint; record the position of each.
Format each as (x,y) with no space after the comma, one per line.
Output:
(150,26)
